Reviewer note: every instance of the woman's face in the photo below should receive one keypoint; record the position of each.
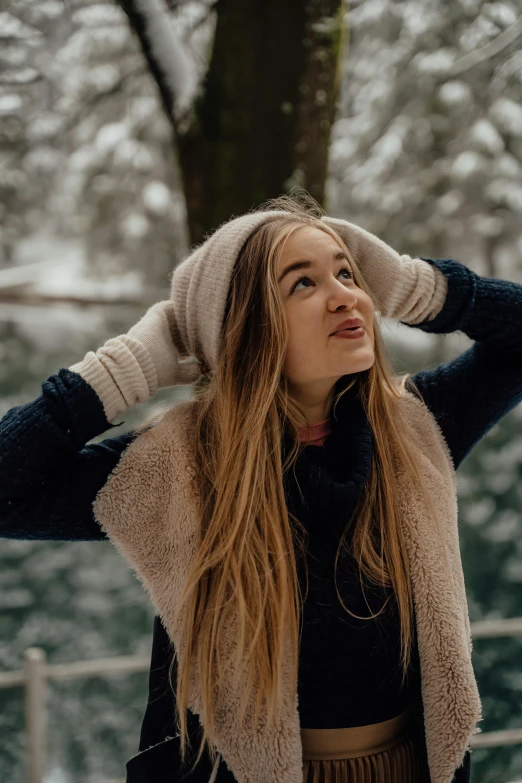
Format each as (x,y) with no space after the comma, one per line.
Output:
(318,296)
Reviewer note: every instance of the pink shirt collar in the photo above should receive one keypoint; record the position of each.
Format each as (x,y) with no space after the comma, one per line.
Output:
(318,433)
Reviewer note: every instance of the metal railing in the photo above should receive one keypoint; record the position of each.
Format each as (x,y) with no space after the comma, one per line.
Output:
(37,673)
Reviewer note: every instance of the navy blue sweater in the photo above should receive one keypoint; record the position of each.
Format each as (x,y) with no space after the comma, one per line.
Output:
(349,672)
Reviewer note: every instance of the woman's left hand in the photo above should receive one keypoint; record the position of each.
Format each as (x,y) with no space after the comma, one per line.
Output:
(404,288)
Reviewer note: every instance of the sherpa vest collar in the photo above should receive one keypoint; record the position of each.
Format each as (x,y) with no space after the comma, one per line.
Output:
(149,508)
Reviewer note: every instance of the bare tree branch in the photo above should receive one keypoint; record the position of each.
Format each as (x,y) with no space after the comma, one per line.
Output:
(146,298)
(101,96)
(16,82)
(202,19)
(491,49)
(19,38)
(163,51)
(19,17)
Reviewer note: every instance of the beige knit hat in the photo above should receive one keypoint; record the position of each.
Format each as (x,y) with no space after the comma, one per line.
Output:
(199,285)
(402,288)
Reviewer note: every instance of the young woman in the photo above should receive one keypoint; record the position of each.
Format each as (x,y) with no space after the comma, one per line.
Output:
(295,524)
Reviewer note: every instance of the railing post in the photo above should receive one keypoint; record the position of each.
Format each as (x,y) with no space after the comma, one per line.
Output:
(35,712)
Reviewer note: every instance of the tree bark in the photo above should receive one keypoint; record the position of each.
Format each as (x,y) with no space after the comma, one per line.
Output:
(263,118)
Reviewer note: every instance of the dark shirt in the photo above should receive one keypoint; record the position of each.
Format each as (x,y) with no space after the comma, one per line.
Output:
(349,672)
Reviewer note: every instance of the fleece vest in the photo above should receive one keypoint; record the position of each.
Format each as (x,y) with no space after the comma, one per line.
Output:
(150,509)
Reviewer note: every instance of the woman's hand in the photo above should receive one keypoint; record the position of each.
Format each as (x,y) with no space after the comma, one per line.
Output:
(404,288)
(156,331)
(129,369)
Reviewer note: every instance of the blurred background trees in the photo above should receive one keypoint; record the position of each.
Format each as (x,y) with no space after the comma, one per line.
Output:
(127,131)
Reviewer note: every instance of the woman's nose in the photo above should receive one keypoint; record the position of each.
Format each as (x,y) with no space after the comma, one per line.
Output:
(345,295)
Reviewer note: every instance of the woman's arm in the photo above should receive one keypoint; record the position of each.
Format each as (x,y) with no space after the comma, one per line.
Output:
(474,391)
(49,478)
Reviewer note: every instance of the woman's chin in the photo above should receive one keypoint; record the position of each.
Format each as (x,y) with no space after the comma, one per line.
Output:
(358,364)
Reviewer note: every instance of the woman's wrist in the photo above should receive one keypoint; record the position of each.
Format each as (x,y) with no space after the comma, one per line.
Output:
(417,294)
(121,373)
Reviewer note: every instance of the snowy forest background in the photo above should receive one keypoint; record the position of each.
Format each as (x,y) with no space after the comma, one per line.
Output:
(425,150)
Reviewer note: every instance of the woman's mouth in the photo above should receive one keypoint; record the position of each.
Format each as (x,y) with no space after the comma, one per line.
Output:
(351,334)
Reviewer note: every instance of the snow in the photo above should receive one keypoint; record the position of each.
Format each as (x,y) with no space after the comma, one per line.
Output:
(513,197)
(46,10)
(418,20)
(98,14)
(142,108)
(343,149)
(384,154)
(43,160)
(156,197)
(485,137)
(480,511)
(86,44)
(111,135)
(46,125)
(487,225)
(58,318)
(478,34)
(327,25)
(131,153)
(395,333)
(14,56)
(169,53)
(11,26)
(103,77)
(507,114)
(438,63)
(450,202)
(508,166)
(501,191)
(134,225)
(456,93)
(504,527)
(500,13)
(513,573)
(367,13)
(9,104)
(57,775)
(466,164)
(66,274)
(20,75)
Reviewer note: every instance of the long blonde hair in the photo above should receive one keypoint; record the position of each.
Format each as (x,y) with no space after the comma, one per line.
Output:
(246,563)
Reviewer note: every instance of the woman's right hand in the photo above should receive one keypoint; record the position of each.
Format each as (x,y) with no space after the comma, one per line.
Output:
(155,331)
(129,369)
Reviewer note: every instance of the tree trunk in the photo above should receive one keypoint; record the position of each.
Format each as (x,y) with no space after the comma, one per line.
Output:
(262,120)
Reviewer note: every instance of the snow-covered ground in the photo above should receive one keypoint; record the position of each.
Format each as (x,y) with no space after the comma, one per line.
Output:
(48,265)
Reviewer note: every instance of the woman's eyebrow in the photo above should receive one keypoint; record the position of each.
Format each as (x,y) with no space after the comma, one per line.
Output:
(305,263)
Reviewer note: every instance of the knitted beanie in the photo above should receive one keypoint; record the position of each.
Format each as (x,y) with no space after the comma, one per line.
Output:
(200,284)
(124,371)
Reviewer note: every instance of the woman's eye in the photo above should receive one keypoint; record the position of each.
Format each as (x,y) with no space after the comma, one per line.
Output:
(345,269)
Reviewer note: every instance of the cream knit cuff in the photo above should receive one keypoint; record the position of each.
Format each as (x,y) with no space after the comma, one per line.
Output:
(121,373)
(419,294)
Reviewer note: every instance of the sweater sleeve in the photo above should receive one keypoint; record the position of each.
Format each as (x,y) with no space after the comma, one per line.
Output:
(471,393)
(49,478)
